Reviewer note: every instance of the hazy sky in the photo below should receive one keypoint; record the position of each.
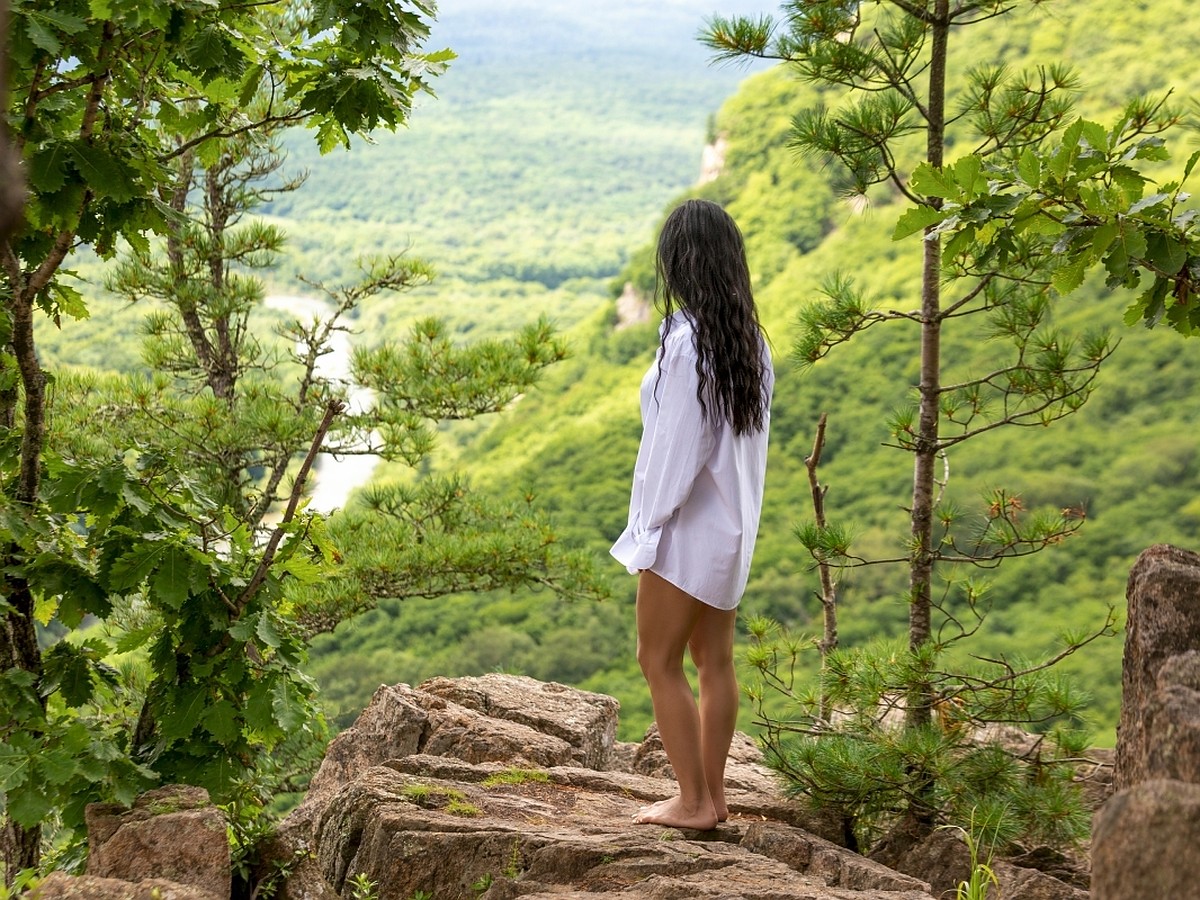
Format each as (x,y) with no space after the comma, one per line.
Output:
(523,30)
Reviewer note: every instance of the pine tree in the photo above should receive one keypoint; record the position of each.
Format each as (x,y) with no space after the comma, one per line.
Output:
(991,272)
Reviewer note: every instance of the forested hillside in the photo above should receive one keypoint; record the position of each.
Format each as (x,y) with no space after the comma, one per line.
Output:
(1128,459)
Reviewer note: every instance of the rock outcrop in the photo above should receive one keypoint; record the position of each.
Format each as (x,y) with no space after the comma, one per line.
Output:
(172,845)
(712,159)
(502,787)
(1160,680)
(59,886)
(450,829)
(1143,834)
(1144,840)
(632,308)
(586,721)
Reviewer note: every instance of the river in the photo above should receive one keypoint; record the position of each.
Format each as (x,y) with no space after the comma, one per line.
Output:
(335,477)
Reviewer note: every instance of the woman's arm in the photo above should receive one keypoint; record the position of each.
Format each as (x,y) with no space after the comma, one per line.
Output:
(676,444)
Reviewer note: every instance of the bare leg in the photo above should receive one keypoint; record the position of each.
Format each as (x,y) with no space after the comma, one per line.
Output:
(711,646)
(666,617)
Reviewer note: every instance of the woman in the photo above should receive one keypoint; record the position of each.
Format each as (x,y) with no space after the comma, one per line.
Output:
(697,493)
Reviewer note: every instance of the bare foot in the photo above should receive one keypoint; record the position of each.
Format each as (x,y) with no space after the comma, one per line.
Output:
(674,814)
(722,812)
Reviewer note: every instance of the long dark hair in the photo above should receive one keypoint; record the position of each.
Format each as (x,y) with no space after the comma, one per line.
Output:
(701,268)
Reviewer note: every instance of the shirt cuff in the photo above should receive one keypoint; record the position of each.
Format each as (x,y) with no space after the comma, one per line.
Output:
(637,551)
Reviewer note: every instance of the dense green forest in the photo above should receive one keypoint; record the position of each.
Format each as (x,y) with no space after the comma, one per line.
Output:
(1129,457)
(533,184)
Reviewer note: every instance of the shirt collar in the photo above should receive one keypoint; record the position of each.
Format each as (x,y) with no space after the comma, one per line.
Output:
(677,318)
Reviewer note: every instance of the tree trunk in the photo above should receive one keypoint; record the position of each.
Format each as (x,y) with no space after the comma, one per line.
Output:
(921,572)
(19,846)
(12,180)
(33,383)
(18,638)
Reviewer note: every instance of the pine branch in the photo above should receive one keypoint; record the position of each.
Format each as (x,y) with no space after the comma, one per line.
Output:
(1013,674)
(332,410)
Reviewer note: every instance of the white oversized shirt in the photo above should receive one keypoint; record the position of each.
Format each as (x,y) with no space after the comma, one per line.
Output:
(697,487)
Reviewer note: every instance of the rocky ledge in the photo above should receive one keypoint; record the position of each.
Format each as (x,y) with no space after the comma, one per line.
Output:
(504,787)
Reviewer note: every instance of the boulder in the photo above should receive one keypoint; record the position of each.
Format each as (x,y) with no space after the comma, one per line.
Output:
(1161,670)
(1020,883)
(304,880)
(941,856)
(1143,841)
(398,722)
(937,855)
(650,757)
(836,866)
(1173,717)
(60,886)
(1144,834)
(503,787)
(477,788)
(743,804)
(585,720)
(171,833)
(1069,864)
(622,756)
(393,724)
